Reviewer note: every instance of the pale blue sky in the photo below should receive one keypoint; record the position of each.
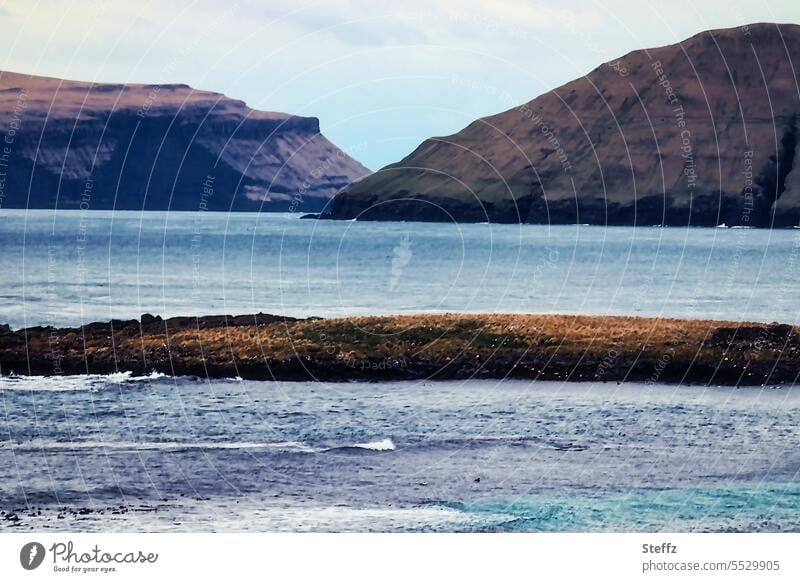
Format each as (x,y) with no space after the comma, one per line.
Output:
(381,76)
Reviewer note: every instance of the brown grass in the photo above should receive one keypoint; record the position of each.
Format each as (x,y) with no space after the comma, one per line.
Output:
(455,345)
(430,336)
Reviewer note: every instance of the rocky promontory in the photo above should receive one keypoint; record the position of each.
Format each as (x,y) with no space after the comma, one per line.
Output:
(702,132)
(70,144)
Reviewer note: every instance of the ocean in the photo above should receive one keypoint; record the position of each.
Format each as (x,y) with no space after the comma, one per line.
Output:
(74,267)
(157,453)
(162,454)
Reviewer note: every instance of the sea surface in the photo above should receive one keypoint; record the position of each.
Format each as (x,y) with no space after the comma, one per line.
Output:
(73,267)
(156,453)
(123,453)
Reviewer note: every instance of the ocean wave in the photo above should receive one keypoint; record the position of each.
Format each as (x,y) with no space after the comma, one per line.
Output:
(133,447)
(471,441)
(88,511)
(381,445)
(80,382)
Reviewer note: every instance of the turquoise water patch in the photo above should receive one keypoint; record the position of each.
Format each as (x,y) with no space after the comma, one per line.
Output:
(768,507)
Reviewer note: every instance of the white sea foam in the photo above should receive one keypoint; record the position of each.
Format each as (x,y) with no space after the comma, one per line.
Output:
(73,383)
(257,515)
(385,444)
(382,445)
(130,446)
(261,517)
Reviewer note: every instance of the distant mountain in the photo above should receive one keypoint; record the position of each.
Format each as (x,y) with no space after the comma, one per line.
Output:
(702,132)
(103,146)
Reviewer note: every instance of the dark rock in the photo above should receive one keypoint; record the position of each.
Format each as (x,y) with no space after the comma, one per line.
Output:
(148,319)
(774,336)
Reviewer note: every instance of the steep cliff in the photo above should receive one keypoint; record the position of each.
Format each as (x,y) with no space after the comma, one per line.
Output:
(82,145)
(702,132)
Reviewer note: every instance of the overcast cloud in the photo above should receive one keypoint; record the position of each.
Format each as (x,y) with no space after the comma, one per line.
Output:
(381,76)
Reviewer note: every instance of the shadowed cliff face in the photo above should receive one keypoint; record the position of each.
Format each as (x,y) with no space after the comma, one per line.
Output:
(702,132)
(70,144)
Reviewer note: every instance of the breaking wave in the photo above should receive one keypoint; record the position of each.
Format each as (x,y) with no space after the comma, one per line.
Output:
(381,445)
(133,447)
(73,383)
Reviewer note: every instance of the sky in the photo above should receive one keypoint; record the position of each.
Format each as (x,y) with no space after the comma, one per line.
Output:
(381,76)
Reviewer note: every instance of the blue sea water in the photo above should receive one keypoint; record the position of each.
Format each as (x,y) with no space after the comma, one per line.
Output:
(160,454)
(122,453)
(74,267)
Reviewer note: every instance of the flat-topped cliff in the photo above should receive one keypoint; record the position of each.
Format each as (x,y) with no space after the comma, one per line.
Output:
(71,144)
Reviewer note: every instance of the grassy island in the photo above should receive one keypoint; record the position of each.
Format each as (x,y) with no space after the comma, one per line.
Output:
(442,346)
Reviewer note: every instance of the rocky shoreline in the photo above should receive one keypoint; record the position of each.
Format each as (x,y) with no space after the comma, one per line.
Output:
(436,347)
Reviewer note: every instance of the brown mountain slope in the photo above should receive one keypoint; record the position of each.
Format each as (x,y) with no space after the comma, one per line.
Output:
(73,144)
(701,132)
